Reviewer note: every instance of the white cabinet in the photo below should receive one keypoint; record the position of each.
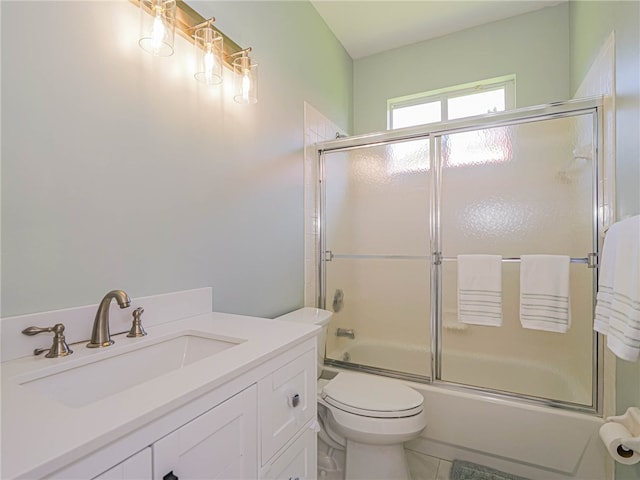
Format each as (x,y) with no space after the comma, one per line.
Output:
(298,461)
(257,425)
(220,444)
(288,407)
(136,467)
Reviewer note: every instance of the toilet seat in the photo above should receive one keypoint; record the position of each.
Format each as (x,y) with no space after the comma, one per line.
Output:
(371,396)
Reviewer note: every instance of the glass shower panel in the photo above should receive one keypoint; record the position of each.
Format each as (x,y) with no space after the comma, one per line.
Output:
(376,204)
(510,191)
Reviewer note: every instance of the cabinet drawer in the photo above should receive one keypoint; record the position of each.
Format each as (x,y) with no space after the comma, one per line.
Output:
(287,402)
(137,467)
(298,462)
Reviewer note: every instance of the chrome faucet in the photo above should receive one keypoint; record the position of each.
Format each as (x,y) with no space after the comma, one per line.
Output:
(100,337)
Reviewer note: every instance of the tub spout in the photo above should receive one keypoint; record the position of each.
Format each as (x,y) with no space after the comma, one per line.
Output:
(346,332)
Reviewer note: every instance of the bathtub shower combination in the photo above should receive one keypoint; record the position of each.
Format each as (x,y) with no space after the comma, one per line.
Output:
(395,210)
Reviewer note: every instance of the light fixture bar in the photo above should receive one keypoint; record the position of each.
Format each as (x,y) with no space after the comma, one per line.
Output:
(187,19)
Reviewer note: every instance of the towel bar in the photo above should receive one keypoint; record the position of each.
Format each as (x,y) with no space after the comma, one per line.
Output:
(591,260)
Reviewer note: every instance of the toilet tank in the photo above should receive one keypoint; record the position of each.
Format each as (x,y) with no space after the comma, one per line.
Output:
(313,316)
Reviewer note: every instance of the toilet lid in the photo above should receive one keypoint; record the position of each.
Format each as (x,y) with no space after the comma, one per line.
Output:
(372,396)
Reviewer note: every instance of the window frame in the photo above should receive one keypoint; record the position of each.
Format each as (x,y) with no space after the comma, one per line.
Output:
(442,95)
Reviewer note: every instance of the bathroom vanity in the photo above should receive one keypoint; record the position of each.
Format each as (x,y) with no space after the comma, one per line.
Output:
(239,403)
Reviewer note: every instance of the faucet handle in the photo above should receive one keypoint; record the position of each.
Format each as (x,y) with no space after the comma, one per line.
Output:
(136,327)
(59,348)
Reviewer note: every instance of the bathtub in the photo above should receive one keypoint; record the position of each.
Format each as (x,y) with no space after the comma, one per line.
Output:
(533,441)
(527,378)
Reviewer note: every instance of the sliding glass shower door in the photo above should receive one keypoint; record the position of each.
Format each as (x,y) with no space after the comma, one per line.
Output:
(377,202)
(517,190)
(397,212)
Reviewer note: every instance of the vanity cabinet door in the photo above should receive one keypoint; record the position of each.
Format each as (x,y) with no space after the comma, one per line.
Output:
(287,403)
(219,444)
(298,461)
(137,467)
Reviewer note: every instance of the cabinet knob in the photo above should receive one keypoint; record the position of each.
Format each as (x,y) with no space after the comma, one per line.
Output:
(294,478)
(293,400)
(170,476)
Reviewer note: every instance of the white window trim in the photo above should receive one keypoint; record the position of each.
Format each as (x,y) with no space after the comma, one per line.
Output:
(507,82)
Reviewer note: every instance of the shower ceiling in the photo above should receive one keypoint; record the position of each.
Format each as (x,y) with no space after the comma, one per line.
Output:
(366,27)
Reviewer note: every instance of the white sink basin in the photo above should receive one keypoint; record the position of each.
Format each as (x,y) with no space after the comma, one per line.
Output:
(89,382)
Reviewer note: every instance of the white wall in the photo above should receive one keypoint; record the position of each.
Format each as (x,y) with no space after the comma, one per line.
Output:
(119,170)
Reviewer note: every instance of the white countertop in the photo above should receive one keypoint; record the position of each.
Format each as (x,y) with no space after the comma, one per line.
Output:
(38,432)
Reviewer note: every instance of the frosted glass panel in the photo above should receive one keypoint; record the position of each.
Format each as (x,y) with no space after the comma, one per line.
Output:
(377,200)
(386,303)
(377,228)
(527,193)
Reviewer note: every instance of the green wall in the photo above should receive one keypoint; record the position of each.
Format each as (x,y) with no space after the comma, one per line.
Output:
(119,170)
(534,47)
(590,25)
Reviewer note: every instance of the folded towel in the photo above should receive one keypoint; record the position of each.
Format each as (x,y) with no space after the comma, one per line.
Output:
(480,289)
(617,312)
(544,292)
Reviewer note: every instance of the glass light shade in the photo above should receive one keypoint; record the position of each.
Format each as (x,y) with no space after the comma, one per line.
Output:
(208,45)
(157,26)
(245,80)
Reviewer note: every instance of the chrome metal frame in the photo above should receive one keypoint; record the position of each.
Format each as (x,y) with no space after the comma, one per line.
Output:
(597,154)
(321,236)
(500,119)
(436,267)
(434,132)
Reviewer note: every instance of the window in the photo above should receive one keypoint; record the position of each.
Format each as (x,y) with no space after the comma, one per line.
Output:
(493,95)
(460,149)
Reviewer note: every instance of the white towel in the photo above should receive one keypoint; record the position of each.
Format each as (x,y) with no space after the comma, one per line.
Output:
(480,289)
(544,292)
(618,301)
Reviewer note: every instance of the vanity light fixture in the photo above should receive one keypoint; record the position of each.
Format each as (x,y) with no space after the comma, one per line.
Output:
(209,54)
(157,26)
(214,50)
(245,78)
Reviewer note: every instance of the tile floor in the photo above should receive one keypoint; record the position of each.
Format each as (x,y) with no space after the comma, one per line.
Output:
(424,467)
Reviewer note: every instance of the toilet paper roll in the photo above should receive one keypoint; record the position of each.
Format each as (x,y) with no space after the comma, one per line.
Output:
(612,435)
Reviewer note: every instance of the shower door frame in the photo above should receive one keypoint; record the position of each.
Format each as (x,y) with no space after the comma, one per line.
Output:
(434,133)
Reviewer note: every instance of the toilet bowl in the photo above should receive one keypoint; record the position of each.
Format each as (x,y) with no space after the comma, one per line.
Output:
(367,416)
(371,417)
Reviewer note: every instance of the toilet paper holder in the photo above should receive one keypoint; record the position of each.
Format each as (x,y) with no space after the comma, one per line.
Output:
(631,421)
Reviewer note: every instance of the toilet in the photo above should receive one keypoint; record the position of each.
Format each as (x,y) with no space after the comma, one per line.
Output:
(367,416)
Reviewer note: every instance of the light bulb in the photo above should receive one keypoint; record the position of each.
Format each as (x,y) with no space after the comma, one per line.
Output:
(209,63)
(246,86)
(157,35)
(157,26)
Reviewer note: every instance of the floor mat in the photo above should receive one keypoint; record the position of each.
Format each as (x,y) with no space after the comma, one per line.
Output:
(461,470)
